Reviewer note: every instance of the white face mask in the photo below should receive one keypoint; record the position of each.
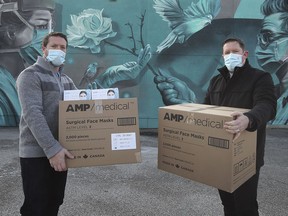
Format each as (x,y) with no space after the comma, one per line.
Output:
(56,57)
(233,60)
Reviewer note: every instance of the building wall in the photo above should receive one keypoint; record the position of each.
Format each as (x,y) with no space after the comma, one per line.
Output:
(111,34)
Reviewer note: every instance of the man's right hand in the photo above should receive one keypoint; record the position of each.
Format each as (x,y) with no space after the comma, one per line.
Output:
(58,162)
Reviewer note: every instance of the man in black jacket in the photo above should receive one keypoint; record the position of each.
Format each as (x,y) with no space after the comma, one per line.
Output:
(242,86)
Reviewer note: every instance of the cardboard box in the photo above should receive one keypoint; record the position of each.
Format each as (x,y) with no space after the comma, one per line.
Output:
(194,145)
(100,132)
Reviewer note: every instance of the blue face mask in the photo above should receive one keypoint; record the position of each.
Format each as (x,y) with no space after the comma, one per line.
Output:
(56,57)
(31,52)
(233,60)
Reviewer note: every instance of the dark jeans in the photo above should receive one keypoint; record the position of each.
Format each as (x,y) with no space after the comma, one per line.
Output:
(43,187)
(243,201)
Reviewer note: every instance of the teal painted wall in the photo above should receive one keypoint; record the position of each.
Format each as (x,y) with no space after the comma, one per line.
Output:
(187,64)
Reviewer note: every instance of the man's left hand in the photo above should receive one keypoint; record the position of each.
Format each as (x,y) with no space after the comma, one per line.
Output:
(236,126)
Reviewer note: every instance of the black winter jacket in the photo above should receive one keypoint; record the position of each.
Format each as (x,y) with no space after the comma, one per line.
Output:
(248,88)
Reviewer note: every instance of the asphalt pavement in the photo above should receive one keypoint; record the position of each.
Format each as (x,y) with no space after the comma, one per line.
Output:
(141,189)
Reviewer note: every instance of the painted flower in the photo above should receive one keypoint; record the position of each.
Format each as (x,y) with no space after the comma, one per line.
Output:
(89,29)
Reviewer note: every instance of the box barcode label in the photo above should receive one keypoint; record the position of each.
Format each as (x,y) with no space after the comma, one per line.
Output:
(217,142)
(126,121)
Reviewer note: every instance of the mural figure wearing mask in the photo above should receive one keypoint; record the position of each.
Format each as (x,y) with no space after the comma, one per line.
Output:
(184,78)
(23,23)
(272,51)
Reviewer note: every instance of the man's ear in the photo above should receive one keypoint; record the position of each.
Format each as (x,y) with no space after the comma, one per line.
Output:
(43,50)
(246,54)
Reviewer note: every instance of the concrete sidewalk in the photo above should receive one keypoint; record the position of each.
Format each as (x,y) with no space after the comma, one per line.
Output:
(143,190)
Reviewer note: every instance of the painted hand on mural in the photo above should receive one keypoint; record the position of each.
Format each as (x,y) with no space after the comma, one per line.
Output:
(126,71)
(184,23)
(173,90)
(89,29)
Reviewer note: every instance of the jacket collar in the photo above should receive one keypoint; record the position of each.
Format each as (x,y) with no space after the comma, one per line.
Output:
(225,72)
(46,65)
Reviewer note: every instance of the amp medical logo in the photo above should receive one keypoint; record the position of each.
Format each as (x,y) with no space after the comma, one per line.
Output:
(173,117)
(191,120)
(97,107)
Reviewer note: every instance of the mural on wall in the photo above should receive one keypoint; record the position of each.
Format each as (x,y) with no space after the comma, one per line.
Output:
(272,52)
(22,27)
(161,51)
(88,30)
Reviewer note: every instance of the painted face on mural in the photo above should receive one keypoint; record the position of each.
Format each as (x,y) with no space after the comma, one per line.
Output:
(41,23)
(23,35)
(27,33)
(272,47)
(31,51)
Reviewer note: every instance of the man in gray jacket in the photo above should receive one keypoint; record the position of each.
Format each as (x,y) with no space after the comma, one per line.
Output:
(40,88)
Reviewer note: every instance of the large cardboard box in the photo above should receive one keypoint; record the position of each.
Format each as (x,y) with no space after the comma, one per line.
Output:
(100,132)
(194,145)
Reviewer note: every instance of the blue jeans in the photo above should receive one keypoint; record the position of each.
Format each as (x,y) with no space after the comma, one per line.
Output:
(243,201)
(43,187)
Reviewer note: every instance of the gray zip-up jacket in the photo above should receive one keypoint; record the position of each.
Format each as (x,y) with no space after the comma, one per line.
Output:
(39,91)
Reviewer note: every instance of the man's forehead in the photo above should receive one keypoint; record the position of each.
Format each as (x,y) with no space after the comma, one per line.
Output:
(57,40)
(231,44)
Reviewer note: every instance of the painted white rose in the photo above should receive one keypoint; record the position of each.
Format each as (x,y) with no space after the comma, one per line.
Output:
(88,29)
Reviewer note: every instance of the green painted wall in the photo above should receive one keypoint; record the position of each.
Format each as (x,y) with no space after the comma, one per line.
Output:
(112,33)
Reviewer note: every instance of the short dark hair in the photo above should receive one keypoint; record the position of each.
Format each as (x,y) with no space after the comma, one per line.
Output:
(234,39)
(54,34)
(110,90)
(81,92)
